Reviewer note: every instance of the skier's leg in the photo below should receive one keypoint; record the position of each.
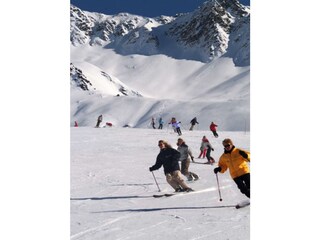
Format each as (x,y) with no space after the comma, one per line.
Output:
(184,167)
(246,179)
(172,182)
(185,170)
(204,153)
(177,177)
(208,154)
(242,186)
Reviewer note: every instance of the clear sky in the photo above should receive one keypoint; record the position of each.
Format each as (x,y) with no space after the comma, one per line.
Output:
(148,8)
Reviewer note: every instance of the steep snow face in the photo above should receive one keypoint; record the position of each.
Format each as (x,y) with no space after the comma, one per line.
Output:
(90,78)
(213,29)
(203,35)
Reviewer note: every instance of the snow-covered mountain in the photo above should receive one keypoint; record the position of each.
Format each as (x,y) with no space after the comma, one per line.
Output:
(202,35)
(192,64)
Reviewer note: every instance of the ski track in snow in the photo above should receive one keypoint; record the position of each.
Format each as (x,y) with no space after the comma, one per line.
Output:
(95,229)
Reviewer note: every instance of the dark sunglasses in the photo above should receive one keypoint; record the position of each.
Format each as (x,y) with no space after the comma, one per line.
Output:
(227,145)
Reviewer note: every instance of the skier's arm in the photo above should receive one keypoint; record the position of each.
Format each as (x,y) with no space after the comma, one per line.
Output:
(157,165)
(222,164)
(245,155)
(210,146)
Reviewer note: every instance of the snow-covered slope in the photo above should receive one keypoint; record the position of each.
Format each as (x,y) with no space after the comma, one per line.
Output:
(112,188)
(131,68)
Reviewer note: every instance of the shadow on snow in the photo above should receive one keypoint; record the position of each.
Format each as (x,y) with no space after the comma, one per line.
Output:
(166,208)
(107,198)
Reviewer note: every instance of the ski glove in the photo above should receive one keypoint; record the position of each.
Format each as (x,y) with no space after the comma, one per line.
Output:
(243,154)
(150,169)
(217,169)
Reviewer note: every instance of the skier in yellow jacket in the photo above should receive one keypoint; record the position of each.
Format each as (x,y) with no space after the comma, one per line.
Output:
(236,160)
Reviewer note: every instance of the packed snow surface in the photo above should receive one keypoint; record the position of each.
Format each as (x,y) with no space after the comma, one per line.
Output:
(112,188)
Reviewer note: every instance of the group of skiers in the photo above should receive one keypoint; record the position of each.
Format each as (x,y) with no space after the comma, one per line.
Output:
(176,125)
(233,158)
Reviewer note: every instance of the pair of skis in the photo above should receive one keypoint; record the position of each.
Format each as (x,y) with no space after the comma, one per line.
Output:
(237,206)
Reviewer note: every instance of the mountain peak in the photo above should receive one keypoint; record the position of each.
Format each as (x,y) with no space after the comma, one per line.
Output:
(203,35)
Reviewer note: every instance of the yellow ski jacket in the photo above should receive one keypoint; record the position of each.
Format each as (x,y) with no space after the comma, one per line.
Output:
(236,163)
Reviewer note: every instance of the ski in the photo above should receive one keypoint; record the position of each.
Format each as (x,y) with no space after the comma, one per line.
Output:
(171,194)
(206,163)
(163,195)
(242,204)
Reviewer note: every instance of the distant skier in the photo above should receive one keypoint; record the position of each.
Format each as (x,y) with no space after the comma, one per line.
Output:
(173,120)
(193,122)
(153,124)
(99,120)
(75,124)
(209,148)
(203,148)
(168,158)
(213,128)
(176,126)
(236,161)
(160,123)
(185,152)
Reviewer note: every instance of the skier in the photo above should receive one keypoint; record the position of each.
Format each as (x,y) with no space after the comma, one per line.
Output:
(236,160)
(203,148)
(168,158)
(185,152)
(75,123)
(213,129)
(99,120)
(209,148)
(160,123)
(153,123)
(173,120)
(176,126)
(193,122)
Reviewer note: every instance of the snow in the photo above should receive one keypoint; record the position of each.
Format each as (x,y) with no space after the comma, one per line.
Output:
(172,84)
(35,132)
(111,185)
(112,188)
(217,91)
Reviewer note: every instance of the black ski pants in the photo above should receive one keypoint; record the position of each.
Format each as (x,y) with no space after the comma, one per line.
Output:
(243,183)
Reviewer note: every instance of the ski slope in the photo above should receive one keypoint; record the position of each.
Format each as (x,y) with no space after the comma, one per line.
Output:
(112,188)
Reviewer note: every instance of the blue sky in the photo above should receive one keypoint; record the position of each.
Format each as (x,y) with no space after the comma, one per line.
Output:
(148,8)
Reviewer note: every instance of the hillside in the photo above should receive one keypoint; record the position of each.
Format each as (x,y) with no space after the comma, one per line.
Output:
(132,68)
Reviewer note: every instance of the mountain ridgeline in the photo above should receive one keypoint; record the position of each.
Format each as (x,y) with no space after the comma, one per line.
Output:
(214,29)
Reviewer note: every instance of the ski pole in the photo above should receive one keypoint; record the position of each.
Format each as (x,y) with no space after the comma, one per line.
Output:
(218,186)
(156,181)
